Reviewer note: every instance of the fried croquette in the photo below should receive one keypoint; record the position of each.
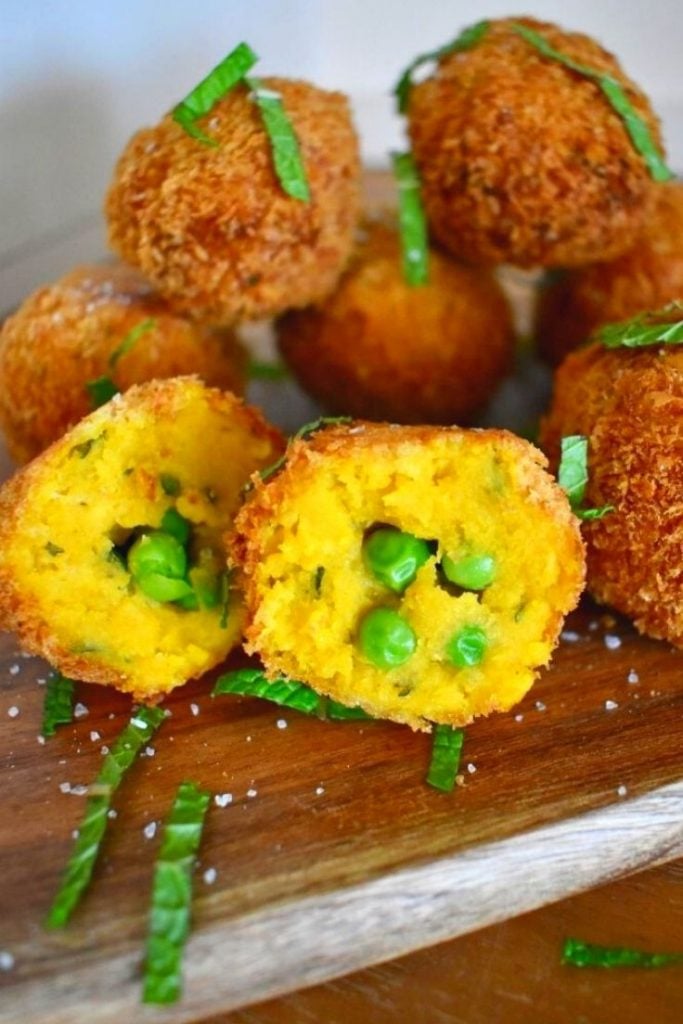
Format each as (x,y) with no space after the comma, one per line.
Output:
(647,276)
(65,335)
(422,573)
(111,558)
(523,160)
(212,227)
(629,403)
(383,350)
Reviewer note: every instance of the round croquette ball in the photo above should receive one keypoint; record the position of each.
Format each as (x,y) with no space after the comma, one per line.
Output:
(523,160)
(422,573)
(629,403)
(381,349)
(213,229)
(112,565)
(650,274)
(63,336)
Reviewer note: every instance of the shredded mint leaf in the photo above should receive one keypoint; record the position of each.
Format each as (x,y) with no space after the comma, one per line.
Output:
(572,476)
(258,370)
(337,712)
(636,127)
(101,391)
(252,682)
(169,919)
(585,954)
(170,484)
(53,549)
(446,750)
(131,339)
(283,141)
(58,704)
(307,430)
(134,736)
(643,330)
(412,222)
(210,90)
(468,38)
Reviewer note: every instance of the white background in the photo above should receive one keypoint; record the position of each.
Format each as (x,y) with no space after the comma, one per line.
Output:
(77,78)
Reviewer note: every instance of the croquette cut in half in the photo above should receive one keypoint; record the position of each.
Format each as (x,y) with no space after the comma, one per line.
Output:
(573,304)
(522,159)
(629,403)
(100,321)
(422,573)
(381,349)
(211,226)
(111,557)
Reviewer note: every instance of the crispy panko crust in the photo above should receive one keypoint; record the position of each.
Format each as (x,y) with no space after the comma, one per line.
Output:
(63,334)
(297,548)
(142,418)
(647,276)
(630,405)
(381,349)
(524,161)
(213,228)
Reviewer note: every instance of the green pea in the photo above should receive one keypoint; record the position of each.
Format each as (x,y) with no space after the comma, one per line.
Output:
(393,557)
(178,526)
(386,639)
(159,553)
(473,572)
(163,588)
(467,647)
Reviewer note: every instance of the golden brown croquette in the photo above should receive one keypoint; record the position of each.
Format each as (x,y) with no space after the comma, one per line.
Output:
(629,403)
(647,276)
(167,458)
(464,633)
(212,227)
(523,160)
(383,350)
(63,335)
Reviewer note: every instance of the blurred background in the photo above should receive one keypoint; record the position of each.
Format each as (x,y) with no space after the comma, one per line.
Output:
(77,77)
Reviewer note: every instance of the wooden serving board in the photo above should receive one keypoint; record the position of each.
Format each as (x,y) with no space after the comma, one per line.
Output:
(332,853)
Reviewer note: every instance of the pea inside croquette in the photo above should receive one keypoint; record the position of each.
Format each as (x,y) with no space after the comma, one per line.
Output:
(106,573)
(415,648)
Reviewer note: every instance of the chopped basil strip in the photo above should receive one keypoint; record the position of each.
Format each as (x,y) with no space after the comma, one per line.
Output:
(412,223)
(259,370)
(169,918)
(585,954)
(615,94)
(101,391)
(643,330)
(468,38)
(572,476)
(203,97)
(283,141)
(252,682)
(131,339)
(58,705)
(137,734)
(446,749)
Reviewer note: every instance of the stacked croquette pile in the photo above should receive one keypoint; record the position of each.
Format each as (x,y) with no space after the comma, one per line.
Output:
(422,573)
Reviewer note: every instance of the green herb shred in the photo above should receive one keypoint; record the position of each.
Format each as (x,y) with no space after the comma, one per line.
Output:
(135,735)
(284,144)
(445,760)
(615,94)
(412,222)
(259,370)
(572,476)
(585,954)
(644,330)
(53,549)
(131,339)
(210,90)
(58,705)
(337,712)
(101,391)
(468,38)
(170,484)
(169,918)
(304,432)
(252,682)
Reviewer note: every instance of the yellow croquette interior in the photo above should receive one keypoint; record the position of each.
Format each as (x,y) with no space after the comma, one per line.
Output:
(465,493)
(99,486)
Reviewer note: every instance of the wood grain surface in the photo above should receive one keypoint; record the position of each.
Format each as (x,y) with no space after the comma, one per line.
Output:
(332,853)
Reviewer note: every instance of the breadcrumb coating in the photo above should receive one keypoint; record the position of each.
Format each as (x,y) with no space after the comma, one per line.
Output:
(629,403)
(383,350)
(63,334)
(524,161)
(647,276)
(213,229)
(298,546)
(65,519)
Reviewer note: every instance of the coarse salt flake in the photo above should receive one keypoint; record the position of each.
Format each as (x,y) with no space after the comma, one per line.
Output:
(519,718)
(112,813)
(14,670)
(94,736)
(65,787)
(194,708)
(633,676)
(210,876)
(569,636)
(540,706)
(251,793)
(622,790)
(222,799)
(612,642)
(79,790)
(150,751)
(319,790)
(149,831)
(611,705)
(80,710)
(471,768)
(281,723)
(13,711)
(6,960)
